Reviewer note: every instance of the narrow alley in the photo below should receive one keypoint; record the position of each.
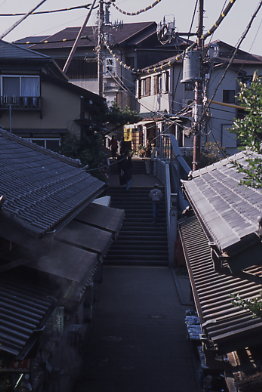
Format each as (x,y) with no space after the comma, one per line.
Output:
(137,340)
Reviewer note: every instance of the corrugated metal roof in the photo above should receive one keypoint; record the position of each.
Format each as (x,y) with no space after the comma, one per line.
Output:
(221,320)
(23,310)
(41,188)
(228,211)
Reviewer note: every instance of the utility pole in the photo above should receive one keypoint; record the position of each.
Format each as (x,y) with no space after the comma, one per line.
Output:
(198,107)
(99,47)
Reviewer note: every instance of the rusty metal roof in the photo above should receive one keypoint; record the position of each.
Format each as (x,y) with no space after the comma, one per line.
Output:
(23,311)
(42,189)
(222,322)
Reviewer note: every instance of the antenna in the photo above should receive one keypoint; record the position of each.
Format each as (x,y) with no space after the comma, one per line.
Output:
(166,31)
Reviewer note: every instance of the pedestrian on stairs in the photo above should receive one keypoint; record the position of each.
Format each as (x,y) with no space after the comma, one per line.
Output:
(156,196)
(113,144)
(128,170)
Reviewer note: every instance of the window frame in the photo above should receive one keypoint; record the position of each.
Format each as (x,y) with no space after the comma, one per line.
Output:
(44,139)
(20,77)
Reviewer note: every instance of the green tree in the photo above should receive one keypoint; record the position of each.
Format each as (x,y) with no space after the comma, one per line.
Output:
(115,117)
(249,131)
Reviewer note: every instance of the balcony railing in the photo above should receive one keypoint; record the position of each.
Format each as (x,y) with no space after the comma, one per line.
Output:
(20,103)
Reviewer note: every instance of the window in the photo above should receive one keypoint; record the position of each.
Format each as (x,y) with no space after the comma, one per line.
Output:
(158,83)
(49,143)
(146,87)
(229,96)
(20,86)
(20,90)
(166,82)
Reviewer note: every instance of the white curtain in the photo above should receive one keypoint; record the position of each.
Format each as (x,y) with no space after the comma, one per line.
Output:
(30,87)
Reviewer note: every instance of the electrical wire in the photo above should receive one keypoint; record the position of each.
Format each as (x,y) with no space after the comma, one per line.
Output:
(228,66)
(193,18)
(194,44)
(137,12)
(21,20)
(259,27)
(233,55)
(49,11)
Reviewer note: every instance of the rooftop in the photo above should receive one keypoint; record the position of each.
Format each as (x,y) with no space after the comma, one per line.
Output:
(41,189)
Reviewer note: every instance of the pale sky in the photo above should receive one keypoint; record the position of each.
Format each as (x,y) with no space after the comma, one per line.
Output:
(229,31)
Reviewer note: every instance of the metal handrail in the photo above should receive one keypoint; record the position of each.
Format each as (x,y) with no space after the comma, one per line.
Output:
(170,157)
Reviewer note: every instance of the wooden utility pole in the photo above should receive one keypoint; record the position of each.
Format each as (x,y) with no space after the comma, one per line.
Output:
(198,107)
(99,47)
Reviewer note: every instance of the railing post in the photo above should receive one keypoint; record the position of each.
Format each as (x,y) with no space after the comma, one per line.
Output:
(172,229)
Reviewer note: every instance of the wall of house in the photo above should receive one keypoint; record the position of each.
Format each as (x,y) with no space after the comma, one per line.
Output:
(87,84)
(222,117)
(60,107)
(171,99)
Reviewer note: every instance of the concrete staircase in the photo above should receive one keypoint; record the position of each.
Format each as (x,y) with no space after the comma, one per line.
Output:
(140,241)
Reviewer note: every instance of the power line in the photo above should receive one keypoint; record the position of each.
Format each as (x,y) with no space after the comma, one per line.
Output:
(259,27)
(233,55)
(73,49)
(49,11)
(137,12)
(21,20)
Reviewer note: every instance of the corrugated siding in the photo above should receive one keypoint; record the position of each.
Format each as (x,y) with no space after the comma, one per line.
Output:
(23,310)
(220,319)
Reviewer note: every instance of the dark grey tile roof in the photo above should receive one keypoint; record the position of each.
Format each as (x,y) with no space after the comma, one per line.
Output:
(9,51)
(229,211)
(23,310)
(129,31)
(41,188)
(222,322)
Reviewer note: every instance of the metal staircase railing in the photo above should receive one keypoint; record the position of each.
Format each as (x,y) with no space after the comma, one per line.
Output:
(169,168)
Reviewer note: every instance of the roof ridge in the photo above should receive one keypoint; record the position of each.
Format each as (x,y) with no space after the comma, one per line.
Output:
(8,135)
(26,49)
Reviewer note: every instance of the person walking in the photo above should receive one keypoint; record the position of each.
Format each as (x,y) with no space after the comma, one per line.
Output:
(156,196)
(147,158)
(113,146)
(120,169)
(128,170)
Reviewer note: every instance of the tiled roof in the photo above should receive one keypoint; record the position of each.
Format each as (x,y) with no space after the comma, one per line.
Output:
(41,188)
(9,51)
(240,58)
(127,32)
(223,323)
(228,210)
(24,309)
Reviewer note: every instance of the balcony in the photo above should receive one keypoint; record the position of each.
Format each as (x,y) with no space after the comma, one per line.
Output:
(20,103)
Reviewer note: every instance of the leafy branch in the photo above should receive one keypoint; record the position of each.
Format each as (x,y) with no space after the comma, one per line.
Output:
(252,304)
